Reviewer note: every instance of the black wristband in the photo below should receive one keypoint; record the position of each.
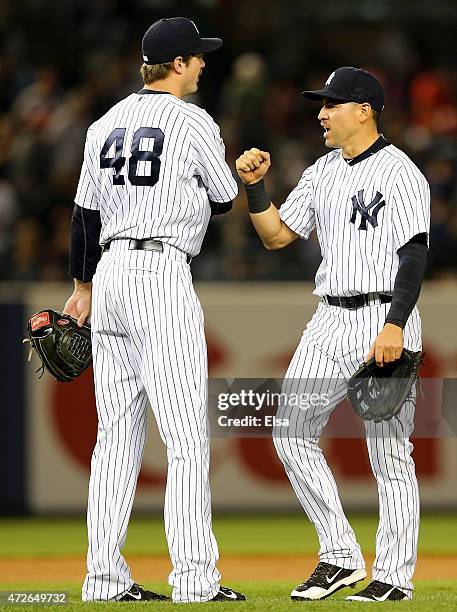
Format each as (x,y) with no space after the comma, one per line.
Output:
(258,200)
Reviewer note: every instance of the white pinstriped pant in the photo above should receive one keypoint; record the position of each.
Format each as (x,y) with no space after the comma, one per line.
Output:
(148,343)
(332,347)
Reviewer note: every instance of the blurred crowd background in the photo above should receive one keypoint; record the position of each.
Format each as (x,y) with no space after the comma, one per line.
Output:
(63,64)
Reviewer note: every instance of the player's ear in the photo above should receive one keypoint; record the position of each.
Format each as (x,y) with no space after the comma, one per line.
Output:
(179,64)
(365,112)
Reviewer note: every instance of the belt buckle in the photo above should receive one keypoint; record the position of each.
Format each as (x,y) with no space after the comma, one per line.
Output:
(156,245)
(352,302)
(374,298)
(145,244)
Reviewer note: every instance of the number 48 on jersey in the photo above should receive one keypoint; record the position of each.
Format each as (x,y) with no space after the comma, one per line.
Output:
(117,162)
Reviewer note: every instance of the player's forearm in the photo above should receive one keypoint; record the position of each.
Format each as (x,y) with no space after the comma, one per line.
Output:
(85,249)
(413,261)
(265,218)
(269,227)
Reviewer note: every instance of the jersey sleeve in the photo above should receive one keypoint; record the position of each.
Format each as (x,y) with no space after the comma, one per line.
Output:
(297,212)
(87,193)
(210,162)
(411,211)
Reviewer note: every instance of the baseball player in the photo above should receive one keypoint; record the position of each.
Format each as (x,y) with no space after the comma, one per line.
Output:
(370,206)
(153,173)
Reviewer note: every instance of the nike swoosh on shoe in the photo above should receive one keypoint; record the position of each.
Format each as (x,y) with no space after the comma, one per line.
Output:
(332,578)
(229,594)
(385,596)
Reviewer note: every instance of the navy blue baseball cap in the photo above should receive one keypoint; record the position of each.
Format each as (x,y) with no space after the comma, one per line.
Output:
(168,38)
(350,84)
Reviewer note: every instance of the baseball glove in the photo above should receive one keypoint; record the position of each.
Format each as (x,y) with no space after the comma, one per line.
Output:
(377,394)
(63,347)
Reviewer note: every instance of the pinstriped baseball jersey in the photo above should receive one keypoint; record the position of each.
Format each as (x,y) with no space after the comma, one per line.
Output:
(151,164)
(363,213)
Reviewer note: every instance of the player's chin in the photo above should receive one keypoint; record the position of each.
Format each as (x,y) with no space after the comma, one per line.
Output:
(331,144)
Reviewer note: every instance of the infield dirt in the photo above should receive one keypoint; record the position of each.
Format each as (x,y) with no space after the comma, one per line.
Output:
(233,567)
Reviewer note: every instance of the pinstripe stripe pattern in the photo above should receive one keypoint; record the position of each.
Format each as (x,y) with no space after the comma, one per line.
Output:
(139,355)
(356,261)
(147,332)
(192,170)
(332,347)
(336,340)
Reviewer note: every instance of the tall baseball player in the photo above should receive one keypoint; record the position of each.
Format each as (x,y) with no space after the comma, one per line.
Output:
(370,206)
(153,173)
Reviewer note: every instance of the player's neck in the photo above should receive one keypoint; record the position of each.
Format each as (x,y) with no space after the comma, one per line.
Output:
(166,85)
(354,148)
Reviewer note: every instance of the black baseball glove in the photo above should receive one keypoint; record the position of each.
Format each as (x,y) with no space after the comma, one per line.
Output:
(377,394)
(63,347)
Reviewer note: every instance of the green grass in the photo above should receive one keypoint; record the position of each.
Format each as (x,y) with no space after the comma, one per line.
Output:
(252,534)
(268,596)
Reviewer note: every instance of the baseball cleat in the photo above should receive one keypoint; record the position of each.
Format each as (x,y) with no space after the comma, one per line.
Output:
(226,594)
(136,593)
(378,591)
(325,580)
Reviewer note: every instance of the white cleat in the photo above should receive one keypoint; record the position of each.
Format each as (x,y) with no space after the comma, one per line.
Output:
(325,580)
(378,591)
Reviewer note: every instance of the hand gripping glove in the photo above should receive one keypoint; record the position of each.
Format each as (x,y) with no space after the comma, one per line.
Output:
(63,347)
(377,394)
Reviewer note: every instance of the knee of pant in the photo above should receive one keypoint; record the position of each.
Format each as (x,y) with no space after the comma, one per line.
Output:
(278,443)
(286,449)
(192,434)
(182,448)
(388,455)
(291,449)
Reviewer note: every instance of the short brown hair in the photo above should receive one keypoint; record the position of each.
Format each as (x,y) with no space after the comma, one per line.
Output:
(157,72)
(376,118)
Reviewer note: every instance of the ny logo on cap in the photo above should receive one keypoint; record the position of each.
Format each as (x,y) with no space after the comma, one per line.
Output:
(194,26)
(330,78)
(358,205)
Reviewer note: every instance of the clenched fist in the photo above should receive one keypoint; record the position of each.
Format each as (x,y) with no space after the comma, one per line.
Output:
(252,165)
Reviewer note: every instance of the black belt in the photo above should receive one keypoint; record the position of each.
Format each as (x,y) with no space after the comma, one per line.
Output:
(356,301)
(145,244)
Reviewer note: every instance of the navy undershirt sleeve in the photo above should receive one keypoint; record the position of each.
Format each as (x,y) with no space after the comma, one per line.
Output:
(220,208)
(85,251)
(407,286)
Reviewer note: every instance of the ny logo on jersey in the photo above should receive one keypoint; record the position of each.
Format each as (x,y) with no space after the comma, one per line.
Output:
(358,205)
